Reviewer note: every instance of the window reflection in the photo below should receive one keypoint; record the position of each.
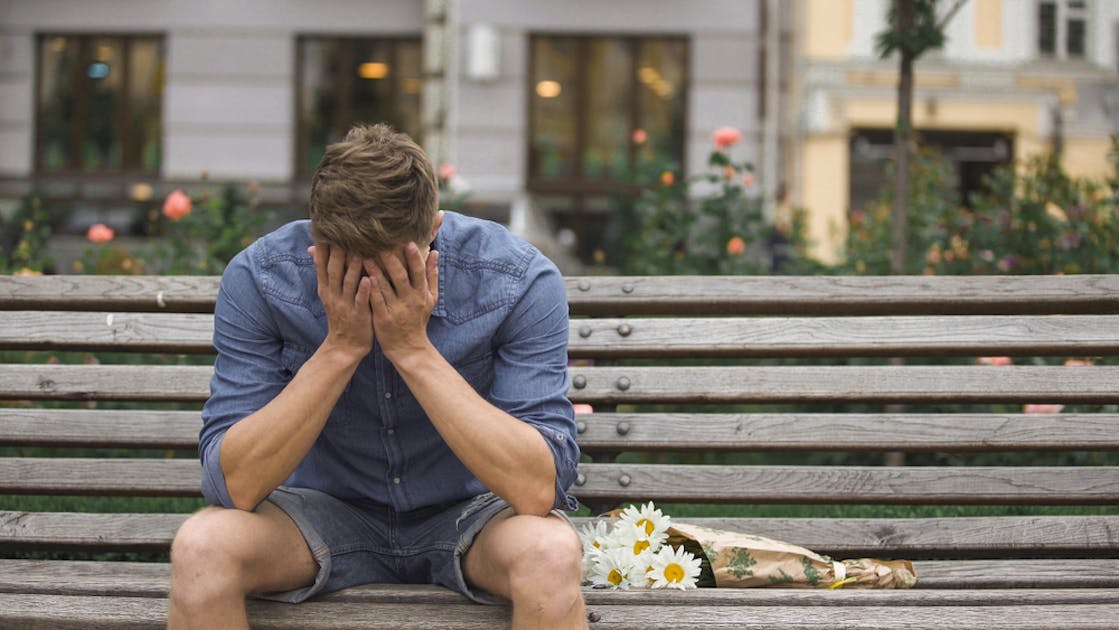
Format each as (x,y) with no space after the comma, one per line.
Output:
(345,80)
(603,107)
(99,103)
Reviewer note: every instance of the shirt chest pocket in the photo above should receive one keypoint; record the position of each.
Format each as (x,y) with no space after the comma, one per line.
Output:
(292,357)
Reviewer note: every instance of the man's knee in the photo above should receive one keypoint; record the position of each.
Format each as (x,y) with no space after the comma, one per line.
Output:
(203,556)
(549,549)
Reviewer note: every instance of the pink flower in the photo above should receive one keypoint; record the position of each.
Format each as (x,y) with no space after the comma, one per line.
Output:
(729,172)
(1078,362)
(1036,408)
(639,136)
(736,246)
(725,137)
(747,179)
(447,170)
(100,233)
(176,206)
(995,361)
(583,408)
(667,178)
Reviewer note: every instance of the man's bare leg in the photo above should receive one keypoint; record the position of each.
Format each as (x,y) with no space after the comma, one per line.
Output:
(221,555)
(535,562)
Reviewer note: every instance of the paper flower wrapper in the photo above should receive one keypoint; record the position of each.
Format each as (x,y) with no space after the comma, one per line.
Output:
(740,560)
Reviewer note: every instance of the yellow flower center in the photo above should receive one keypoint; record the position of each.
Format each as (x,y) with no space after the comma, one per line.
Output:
(640,546)
(648,526)
(674,573)
(615,577)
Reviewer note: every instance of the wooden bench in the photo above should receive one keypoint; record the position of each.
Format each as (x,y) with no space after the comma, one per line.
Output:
(746,391)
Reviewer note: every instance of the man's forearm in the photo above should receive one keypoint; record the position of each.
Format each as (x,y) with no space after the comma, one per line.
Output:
(507,455)
(262,450)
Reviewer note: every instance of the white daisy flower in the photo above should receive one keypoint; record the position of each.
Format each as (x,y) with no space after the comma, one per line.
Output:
(674,568)
(593,535)
(647,517)
(617,568)
(635,538)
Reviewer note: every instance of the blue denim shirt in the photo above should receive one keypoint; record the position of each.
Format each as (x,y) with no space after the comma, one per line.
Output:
(500,320)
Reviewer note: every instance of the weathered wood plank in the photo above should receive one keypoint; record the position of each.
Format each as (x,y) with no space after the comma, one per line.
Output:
(1072,335)
(845,432)
(817,384)
(84,531)
(95,332)
(88,476)
(53,611)
(729,384)
(179,294)
(107,428)
(170,383)
(1085,485)
(606,295)
(849,484)
(141,428)
(940,582)
(843,295)
(913,538)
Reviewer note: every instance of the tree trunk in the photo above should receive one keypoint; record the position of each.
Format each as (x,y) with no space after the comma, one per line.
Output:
(903,138)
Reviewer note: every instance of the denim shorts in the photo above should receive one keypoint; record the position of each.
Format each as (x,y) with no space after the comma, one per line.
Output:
(357,542)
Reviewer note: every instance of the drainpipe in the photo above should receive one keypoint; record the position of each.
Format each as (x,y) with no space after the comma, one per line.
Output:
(771,128)
(436,41)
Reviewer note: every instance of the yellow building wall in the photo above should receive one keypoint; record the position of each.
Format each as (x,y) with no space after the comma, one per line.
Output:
(988,23)
(828,28)
(826,181)
(1087,157)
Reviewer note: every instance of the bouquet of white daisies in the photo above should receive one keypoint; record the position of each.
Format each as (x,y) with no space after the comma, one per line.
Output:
(631,552)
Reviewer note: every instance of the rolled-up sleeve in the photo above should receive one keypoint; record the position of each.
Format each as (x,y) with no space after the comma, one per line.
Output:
(530,371)
(248,372)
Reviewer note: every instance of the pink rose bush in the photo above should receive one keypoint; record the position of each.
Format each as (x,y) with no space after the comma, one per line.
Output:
(100,233)
(177,205)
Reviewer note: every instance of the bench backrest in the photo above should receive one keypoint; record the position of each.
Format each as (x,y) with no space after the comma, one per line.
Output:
(705,390)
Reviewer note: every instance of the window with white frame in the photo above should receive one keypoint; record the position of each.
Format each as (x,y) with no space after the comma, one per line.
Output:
(1062,29)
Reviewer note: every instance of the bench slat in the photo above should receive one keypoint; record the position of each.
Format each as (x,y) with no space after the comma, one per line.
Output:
(608,295)
(135,428)
(95,332)
(846,432)
(851,484)
(843,295)
(1082,485)
(106,428)
(1072,335)
(166,294)
(915,538)
(730,384)
(1037,582)
(818,384)
(143,612)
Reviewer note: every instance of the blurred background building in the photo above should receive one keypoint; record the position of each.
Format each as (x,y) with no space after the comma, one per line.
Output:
(1016,79)
(543,108)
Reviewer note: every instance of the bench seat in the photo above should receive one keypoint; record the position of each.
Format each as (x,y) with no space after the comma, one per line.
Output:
(720,398)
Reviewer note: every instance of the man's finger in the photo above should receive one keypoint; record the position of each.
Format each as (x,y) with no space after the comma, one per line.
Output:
(378,285)
(353,275)
(394,272)
(433,275)
(415,261)
(319,253)
(335,268)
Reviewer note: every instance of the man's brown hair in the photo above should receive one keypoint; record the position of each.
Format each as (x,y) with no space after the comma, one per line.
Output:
(373,191)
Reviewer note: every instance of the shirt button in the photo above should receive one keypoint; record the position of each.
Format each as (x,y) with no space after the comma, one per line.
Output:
(392,431)
(388,395)
(396,480)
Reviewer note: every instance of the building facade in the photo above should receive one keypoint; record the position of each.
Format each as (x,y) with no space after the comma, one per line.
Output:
(1016,79)
(541,107)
